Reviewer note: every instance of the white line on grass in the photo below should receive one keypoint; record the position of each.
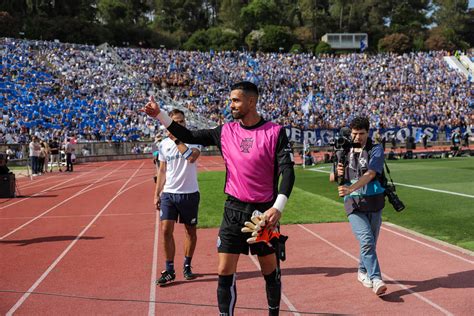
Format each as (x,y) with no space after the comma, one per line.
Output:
(424,299)
(63,254)
(435,190)
(59,204)
(414,186)
(283,296)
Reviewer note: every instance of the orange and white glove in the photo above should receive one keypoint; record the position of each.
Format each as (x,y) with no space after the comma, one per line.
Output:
(258,230)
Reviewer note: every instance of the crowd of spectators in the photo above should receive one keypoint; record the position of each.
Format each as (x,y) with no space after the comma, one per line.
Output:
(50,89)
(309,91)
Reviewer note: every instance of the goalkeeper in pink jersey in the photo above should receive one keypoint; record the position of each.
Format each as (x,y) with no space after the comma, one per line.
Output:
(256,154)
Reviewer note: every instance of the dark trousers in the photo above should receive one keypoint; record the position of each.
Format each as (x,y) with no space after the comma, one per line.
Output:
(40,165)
(68,162)
(34,164)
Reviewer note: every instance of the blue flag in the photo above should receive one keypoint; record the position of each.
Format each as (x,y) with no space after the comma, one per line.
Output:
(363,45)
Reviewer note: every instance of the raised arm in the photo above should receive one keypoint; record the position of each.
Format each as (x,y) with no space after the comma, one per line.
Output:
(205,137)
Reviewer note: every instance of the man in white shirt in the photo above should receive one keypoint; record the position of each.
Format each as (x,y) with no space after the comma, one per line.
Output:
(177,196)
(35,150)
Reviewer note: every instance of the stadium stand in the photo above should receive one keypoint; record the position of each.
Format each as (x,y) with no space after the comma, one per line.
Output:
(54,89)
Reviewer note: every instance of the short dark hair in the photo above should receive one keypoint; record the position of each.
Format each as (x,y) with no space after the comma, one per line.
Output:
(246,86)
(360,122)
(175,111)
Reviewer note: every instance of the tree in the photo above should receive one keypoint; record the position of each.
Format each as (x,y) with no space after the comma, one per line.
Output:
(253,39)
(16,8)
(436,41)
(258,14)
(315,15)
(181,15)
(198,41)
(223,39)
(409,17)
(125,12)
(304,35)
(323,48)
(229,13)
(214,38)
(453,16)
(8,25)
(395,43)
(271,38)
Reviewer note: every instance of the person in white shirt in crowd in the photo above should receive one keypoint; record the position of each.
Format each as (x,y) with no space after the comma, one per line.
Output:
(35,150)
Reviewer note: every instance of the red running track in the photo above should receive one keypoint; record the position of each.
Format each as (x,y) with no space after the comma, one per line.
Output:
(86,243)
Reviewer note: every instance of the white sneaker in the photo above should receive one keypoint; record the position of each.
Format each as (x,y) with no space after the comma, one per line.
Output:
(364,279)
(379,287)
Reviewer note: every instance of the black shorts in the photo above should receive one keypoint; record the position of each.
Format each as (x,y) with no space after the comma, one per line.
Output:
(185,206)
(232,240)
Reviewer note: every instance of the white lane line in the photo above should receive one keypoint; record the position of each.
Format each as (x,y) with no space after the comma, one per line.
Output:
(63,254)
(414,186)
(82,215)
(435,190)
(31,183)
(52,187)
(79,216)
(421,297)
(318,170)
(59,204)
(428,245)
(154,268)
(36,184)
(283,296)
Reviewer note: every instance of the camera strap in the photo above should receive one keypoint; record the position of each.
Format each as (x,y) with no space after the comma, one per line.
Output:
(382,178)
(388,172)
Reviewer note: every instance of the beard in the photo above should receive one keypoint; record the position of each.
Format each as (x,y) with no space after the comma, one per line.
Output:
(237,115)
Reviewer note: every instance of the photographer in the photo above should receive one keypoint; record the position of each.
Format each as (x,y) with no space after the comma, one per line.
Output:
(357,168)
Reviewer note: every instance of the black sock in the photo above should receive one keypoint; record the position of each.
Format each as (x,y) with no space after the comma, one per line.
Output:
(226,294)
(273,287)
(187,261)
(169,266)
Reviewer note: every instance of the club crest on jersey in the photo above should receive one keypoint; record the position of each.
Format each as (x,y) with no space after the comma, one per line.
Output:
(246,145)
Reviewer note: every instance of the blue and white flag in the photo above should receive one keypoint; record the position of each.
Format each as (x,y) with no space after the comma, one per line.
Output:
(305,107)
(363,45)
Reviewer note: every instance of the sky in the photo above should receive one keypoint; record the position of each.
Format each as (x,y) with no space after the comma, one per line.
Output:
(471,3)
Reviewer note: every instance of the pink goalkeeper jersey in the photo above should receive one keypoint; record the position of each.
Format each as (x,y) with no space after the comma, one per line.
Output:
(249,155)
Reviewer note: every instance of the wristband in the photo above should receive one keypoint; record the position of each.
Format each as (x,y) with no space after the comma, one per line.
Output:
(187,153)
(280,202)
(164,119)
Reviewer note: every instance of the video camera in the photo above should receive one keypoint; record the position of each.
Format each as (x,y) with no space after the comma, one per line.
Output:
(343,140)
(342,144)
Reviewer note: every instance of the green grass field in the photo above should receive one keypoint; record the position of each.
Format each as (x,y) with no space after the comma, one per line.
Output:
(314,199)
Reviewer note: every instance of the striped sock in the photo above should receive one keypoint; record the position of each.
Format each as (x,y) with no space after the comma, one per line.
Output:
(226,294)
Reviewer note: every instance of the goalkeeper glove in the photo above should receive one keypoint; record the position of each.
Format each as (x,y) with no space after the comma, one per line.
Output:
(257,227)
